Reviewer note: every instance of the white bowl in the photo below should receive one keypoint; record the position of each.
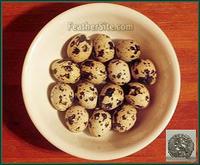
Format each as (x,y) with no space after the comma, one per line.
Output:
(47,46)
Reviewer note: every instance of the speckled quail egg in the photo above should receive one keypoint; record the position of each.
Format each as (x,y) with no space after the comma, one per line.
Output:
(138,95)
(144,71)
(111,96)
(93,71)
(103,47)
(100,123)
(61,96)
(87,95)
(79,48)
(127,50)
(65,71)
(124,119)
(118,72)
(76,118)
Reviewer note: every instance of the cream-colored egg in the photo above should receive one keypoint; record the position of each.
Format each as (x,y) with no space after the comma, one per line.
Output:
(65,71)
(100,123)
(127,50)
(87,95)
(125,118)
(144,71)
(138,95)
(103,47)
(76,118)
(61,96)
(118,72)
(79,48)
(111,96)
(93,71)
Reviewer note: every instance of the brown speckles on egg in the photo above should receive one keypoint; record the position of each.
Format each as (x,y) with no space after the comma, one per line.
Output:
(81,94)
(124,119)
(135,90)
(153,71)
(91,98)
(92,88)
(86,75)
(67,75)
(100,53)
(107,106)
(113,76)
(100,123)
(61,96)
(76,118)
(103,47)
(79,48)
(120,91)
(93,71)
(96,116)
(54,71)
(76,51)
(61,88)
(136,48)
(87,95)
(119,75)
(111,96)
(137,95)
(144,73)
(89,63)
(60,99)
(147,98)
(119,102)
(103,72)
(118,72)
(63,70)
(146,80)
(111,45)
(109,92)
(85,48)
(129,50)
(147,71)
(68,68)
(71,119)
(107,124)
(104,115)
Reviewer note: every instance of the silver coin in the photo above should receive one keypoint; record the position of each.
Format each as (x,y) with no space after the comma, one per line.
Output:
(180,146)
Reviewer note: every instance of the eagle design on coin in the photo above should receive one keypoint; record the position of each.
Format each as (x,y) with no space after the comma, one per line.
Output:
(180,146)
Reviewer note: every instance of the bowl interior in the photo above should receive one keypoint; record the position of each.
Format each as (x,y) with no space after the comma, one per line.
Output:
(48,46)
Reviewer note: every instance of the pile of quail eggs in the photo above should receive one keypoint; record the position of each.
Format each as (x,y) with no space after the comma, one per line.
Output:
(109,82)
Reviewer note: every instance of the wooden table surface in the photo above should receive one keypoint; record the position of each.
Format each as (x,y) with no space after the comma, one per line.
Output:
(22,21)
